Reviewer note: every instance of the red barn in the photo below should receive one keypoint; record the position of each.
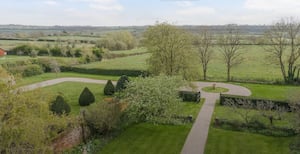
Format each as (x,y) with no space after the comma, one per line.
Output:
(2,52)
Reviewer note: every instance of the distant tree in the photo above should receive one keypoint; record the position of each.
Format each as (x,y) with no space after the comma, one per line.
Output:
(86,97)
(284,47)
(230,45)
(54,66)
(122,82)
(59,106)
(171,51)
(204,45)
(109,88)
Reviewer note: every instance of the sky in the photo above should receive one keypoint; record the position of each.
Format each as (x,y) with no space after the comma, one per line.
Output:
(145,12)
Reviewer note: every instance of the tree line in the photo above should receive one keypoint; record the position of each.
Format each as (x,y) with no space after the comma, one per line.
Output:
(175,51)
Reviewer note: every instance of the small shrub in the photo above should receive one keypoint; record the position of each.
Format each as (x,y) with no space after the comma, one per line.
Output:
(32,70)
(60,106)
(109,88)
(190,96)
(103,117)
(121,84)
(86,97)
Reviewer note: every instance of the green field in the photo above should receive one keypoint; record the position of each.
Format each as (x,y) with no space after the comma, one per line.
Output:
(153,139)
(124,63)
(71,92)
(231,142)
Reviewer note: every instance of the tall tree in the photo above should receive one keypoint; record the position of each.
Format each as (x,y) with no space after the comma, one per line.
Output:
(204,45)
(230,45)
(171,50)
(284,47)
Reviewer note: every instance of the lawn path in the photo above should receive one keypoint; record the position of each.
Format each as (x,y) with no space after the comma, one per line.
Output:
(196,140)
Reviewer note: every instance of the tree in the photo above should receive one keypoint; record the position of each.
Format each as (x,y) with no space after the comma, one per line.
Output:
(54,66)
(109,88)
(152,99)
(86,97)
(204,45)
(59,106)
(171,51)
(26,123)
(270,111)
(284,47)
(243,108)
(122,82)
(230,45)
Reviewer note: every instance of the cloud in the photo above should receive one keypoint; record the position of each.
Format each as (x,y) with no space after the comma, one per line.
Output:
(198,10)
(51,2)
(104,5)
(184,3)
(274,5)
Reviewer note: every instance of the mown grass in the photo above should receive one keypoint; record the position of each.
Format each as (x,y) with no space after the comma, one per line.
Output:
(274,92)
(71,92)
(49,76)
(132,51)
(149,138)
(232,142)
(125,63)
(215,90)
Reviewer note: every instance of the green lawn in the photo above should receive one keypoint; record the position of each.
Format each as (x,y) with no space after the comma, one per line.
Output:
(215,90)
(231,142)
(276,92)
(132,51)
(125,63)
(153,139)
(71,92)
(49,76)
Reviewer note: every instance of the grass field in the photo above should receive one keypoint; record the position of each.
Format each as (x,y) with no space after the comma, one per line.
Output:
(71,92)
(132,51)
(231,142)
(153,139)
(126,63)
(49,76)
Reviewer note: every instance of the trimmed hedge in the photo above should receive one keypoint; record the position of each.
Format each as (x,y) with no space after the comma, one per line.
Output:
(97,71)
(121,84)
(59,106)
(254,127)
(32,70)
(190,96)
(86,97)
(235,99)
(109,88)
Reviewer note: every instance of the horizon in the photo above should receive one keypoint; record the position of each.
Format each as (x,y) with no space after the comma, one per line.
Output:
(108,13)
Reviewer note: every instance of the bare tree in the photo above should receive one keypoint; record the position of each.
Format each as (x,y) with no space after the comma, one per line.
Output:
(243,108)
(230,45)
(204,44)
(270,110)
(284,47)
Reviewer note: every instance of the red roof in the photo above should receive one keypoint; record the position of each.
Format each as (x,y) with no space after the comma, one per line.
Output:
(2,52)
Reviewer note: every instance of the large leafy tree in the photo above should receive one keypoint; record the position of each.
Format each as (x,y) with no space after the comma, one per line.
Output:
(171,51)
(152,99)
(26,123)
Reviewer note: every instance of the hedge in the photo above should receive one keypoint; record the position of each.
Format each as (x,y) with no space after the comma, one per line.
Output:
(98,71)
(190,96)
(235,99)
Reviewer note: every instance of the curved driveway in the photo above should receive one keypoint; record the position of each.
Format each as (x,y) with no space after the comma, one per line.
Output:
(196,140)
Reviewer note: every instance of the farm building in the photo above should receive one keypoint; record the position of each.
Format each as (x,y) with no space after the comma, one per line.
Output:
(2,52)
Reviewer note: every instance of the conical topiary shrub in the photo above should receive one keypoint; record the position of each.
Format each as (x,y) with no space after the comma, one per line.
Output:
(60,106)
(121,84)
(109,88)
(86,97)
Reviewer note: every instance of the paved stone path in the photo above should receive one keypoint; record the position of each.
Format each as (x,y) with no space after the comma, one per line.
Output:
(196,140)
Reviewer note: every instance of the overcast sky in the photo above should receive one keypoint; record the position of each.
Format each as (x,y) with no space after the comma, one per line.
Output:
(145,12)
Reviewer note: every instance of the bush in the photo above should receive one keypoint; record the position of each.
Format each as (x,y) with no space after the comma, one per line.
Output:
(32,70)
(59,106)
(235,99)
(109,88)
(190,96)
(86,97)
(103,117)
(121,84)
